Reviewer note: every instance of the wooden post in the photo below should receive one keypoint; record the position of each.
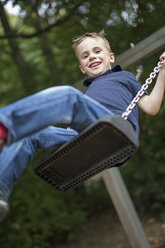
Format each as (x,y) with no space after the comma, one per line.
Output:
(125,209)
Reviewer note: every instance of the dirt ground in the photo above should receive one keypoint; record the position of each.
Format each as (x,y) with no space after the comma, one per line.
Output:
(106,231)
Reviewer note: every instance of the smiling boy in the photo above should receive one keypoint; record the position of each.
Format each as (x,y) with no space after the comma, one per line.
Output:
(95,57)
(110,91)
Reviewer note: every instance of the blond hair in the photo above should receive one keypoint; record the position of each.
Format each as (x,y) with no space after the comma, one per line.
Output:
(95,35)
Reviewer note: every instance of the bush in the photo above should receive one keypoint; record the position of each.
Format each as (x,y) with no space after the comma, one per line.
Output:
(145,173)
(40,215)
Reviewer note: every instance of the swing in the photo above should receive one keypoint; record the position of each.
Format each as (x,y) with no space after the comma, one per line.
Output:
(108,142)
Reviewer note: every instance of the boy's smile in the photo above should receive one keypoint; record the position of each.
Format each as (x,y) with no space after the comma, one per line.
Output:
(94,57)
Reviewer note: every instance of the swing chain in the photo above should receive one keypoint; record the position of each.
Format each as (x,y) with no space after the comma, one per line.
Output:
(143,88)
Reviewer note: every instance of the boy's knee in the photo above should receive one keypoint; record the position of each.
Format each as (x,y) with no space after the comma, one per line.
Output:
(62,91)
(71,89)
(64,88)
(56,89)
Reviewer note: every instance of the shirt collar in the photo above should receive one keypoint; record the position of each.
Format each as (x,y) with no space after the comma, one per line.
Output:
(88,81)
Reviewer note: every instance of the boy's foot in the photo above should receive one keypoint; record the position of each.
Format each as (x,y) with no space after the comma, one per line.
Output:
(3,135)
(4,207)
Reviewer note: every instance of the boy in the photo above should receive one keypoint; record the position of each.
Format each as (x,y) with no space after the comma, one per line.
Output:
(110,91)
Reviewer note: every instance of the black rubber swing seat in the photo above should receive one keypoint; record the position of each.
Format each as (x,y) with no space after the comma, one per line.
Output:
(109,142)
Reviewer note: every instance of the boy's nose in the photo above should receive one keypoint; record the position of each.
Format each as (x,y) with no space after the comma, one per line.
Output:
(92,56)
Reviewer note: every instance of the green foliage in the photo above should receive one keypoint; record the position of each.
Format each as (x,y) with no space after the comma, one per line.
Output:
(96,197)
(39,215)
(144,174)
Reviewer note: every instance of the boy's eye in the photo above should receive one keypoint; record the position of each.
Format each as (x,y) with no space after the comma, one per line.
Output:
(85,56)
(97,51)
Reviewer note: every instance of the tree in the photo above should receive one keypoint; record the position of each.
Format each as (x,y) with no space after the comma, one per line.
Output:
(24,70)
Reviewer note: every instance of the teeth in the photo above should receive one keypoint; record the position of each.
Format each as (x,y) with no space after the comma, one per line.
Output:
(94,64)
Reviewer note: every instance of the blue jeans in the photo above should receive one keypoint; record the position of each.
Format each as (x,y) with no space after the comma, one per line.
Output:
(30,126)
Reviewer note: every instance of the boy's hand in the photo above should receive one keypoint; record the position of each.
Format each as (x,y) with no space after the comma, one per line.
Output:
(163,67)
(161,58)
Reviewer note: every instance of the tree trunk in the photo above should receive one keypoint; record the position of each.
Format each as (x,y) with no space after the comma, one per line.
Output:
(47,50)
(24,70)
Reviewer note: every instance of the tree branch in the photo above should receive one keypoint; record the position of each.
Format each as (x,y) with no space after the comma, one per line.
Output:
(43,30)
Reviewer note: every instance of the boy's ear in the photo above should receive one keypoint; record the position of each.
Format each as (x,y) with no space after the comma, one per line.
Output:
(112,58)
(82,70)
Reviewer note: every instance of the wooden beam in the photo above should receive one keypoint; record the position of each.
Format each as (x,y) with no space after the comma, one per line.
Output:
(125,208)
(142,50)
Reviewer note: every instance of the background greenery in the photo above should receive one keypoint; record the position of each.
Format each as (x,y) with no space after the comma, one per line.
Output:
(36,53)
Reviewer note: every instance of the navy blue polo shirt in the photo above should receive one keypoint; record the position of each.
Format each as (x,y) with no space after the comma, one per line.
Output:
(115,89)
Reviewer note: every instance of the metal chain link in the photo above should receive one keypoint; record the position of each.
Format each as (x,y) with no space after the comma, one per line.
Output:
(143,88)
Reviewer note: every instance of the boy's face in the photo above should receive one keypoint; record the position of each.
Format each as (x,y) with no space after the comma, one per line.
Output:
(95,59)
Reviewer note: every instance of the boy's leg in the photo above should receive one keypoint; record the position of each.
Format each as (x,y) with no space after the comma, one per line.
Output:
(14,159)
(63,104)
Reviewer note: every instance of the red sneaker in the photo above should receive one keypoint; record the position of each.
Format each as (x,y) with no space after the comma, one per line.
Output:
(3,133)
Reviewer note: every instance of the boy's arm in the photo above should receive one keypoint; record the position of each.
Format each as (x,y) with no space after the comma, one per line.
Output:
(150,104)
